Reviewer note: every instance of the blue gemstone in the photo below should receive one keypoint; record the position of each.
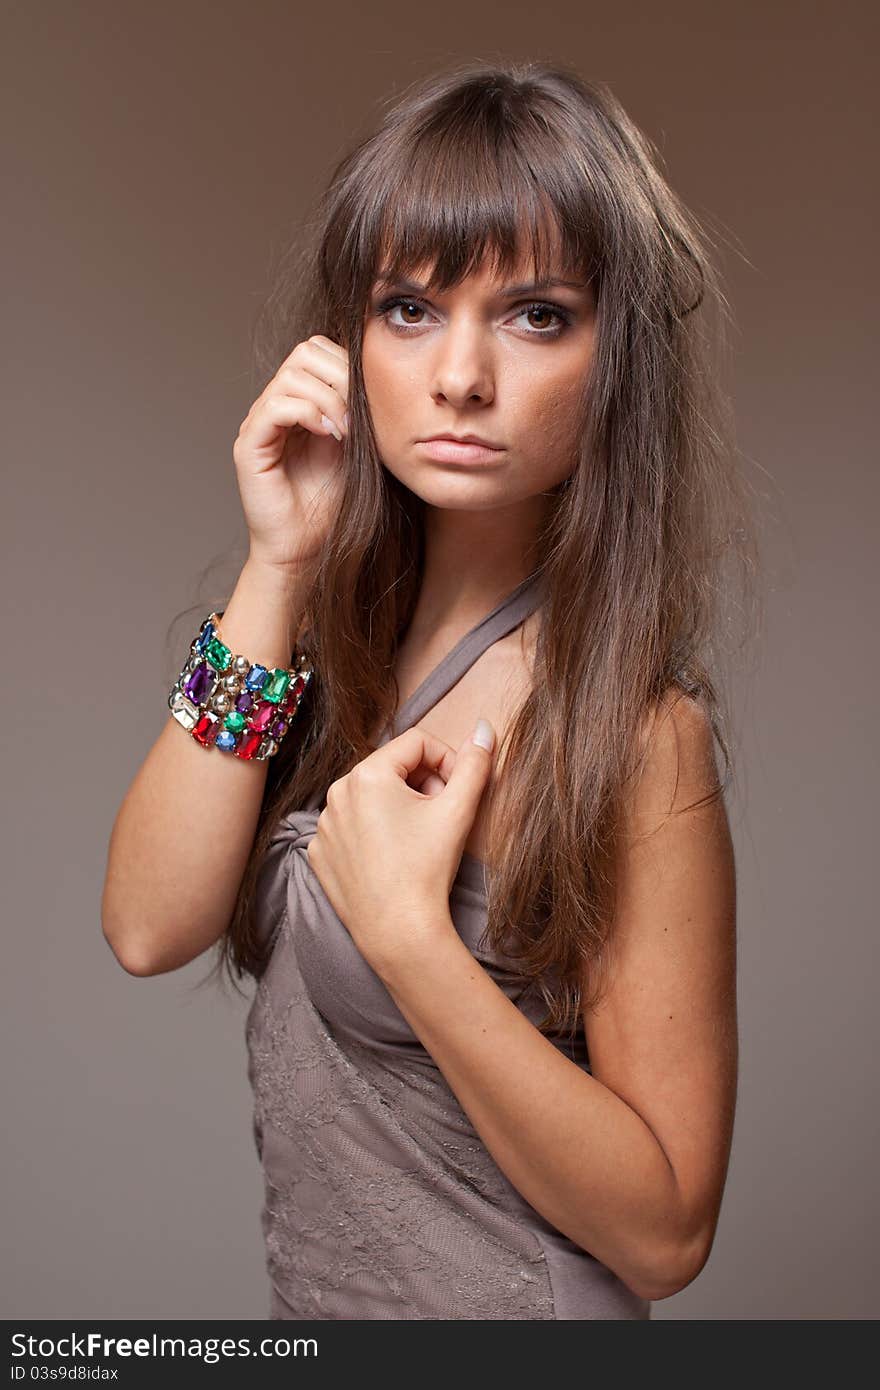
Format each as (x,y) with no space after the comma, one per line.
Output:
(225,739)
(256,677)
(204,636)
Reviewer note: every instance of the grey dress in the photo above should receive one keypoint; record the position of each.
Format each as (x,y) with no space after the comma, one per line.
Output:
(381,1200)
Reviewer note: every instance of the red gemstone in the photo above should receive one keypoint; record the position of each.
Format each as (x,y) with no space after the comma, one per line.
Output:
(249,745)
(263,715)
(206,730)
(291,699)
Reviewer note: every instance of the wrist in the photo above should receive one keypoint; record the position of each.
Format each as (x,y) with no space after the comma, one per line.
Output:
(228,700)
(429,939)
(287,580)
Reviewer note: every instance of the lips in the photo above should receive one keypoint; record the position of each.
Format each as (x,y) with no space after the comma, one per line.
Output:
(445,450)
(462,439)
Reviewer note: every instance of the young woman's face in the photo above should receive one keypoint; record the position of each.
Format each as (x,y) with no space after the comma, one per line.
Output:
(493,358)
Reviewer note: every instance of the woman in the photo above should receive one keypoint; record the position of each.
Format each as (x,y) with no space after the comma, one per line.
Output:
(493,1044)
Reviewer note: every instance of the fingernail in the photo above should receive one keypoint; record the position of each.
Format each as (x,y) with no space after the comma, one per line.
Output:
(329,425)
(484,735)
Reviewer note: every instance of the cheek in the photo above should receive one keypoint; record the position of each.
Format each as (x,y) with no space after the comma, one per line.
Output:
(552,407)
(551,390)
(550,413)
(371,367)
(382,386)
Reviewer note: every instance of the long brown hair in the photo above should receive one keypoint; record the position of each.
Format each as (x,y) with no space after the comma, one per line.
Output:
(468,165)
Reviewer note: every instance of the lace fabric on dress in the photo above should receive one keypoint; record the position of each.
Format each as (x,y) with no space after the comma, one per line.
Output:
(381,1200)
(373,1210)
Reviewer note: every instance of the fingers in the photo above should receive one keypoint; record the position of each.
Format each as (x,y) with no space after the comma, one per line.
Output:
(426,781)
(317,370)
(323,359)
(415,752)
(300,384)
(256,449)
(328,345)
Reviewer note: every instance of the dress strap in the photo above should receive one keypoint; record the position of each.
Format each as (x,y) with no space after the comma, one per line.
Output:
(513,610)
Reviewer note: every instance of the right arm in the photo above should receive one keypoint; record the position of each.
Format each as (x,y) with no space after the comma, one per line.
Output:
(181,840)
(182,836)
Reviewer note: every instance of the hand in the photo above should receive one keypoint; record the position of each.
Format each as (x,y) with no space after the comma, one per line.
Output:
(288,455)
(389,842)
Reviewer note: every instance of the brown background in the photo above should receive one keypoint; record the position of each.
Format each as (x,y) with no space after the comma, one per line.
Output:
(156,155)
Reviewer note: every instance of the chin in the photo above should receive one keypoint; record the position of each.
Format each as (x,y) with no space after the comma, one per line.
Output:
(464,490)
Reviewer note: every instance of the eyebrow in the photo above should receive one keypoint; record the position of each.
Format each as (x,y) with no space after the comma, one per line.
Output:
(527,287)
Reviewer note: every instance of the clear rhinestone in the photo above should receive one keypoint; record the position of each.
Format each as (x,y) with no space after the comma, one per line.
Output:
(183,710)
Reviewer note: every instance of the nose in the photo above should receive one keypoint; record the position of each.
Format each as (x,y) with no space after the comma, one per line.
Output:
(462,370)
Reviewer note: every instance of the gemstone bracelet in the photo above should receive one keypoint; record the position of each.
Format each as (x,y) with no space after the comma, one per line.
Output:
(234,704)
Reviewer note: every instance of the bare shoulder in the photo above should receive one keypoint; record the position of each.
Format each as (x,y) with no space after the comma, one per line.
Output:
(678,764)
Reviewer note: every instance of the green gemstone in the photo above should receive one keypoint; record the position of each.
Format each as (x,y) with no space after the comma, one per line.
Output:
(234,721)
(217,654)
(275,685)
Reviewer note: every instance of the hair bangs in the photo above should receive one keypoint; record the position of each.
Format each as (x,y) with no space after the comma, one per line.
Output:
(461,197)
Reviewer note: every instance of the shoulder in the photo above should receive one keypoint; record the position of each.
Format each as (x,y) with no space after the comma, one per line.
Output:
(676,758)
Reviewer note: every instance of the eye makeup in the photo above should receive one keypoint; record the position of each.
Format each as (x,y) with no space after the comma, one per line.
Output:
(562,315)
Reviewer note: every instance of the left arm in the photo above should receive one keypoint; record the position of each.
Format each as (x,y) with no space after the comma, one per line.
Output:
(629,1162)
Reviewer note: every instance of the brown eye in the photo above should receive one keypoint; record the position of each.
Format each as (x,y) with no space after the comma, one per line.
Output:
(559,319)
(409,304)
(554,319)
(400,302)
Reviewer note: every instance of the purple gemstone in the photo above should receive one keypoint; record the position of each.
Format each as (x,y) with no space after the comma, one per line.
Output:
(244,702)
(198,687)
(279,728)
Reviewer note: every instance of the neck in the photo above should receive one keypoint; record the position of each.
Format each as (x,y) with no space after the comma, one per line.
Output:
(473,560)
